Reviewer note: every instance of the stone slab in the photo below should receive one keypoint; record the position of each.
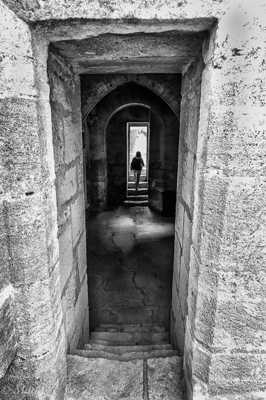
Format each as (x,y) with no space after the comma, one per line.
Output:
(100,379)
(7,329)
(165,379)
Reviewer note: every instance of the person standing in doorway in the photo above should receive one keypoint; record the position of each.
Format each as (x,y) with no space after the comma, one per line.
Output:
(136,166)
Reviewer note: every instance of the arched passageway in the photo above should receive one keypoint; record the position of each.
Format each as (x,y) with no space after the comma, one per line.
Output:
(105,138)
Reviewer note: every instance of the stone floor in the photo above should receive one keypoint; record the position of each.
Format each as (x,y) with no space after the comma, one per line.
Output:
(101,379)
(130,259)
(128,354)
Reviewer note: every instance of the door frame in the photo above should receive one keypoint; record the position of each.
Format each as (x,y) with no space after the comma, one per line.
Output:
(147,124)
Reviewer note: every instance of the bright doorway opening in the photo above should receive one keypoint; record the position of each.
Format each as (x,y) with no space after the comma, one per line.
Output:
(138,141)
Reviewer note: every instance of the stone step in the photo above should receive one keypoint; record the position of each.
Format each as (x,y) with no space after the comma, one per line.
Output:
(137,197)
(126,349)
(99,378)
(141,191)
(128,338)
(130,328)
(131,355)
(132,185)
(132,203)
(131,178)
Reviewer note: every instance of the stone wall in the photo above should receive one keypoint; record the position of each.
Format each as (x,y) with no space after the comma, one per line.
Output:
(31,316)
(68,153)
(190,107)
(225,332)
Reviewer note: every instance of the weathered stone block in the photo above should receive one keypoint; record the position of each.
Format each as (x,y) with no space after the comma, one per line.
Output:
(194,270)
(68,305)
(187,178)
(73,139)
(177,261)
(238,372)
(66,184)
(208,215)
(16,66)
(27,238)
(77,217)
(20,153)
(8,339)
(82,256)
(81,333)
(183,287)
(186,240)
(244,156)
(240,313)
(66,254)
(179,220)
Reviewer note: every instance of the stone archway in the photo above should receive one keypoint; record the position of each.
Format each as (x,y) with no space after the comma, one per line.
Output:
(101,89)
(164,156)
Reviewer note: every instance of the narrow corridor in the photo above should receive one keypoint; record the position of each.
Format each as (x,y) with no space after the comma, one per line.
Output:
(128,354)
(130,261)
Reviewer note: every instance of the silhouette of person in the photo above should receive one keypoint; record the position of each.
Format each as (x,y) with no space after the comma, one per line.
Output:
(136,166)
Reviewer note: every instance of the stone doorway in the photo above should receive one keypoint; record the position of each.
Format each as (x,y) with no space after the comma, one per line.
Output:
(138,140)
(102,94)
(44,299)
(107,149)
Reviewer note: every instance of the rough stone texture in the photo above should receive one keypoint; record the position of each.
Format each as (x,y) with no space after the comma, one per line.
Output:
(102,377)
(165,378)
(129,10)
(106,132)
(67,140)
(225,329)
(8,341)
(96,379)
(167,52)
(129,267)
(95,87)
(190,106)
(27,226)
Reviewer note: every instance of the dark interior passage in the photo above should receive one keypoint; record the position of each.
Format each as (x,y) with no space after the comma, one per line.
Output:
(130,259)
(105,133)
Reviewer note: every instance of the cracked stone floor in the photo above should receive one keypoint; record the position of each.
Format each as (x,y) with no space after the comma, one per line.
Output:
(101,379)
(130,258)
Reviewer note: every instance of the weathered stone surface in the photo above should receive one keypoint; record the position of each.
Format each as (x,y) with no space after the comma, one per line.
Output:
(67,140)
(67,185)
(189,118)
(66,254)
(82,256)
(240,371)
(167,53)
(228,248)
(96,88)
(77,217)
(165,379)
(95,379)
(28,228)
(128,10)
(20,154)
(8,341)
(17,73)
